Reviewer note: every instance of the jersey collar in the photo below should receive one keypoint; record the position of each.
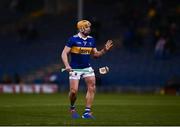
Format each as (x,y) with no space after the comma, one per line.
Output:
(84,38)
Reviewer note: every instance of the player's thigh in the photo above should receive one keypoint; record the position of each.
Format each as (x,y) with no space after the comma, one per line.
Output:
(90,81)
(74,83)
(74,78)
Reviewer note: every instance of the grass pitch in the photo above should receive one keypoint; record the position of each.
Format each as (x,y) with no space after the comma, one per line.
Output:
(109,109)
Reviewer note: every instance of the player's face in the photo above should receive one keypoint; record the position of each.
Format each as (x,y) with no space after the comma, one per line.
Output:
(87,30)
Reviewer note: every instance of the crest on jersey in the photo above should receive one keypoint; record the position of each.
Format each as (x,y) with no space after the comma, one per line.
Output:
(84,42)
(78,42)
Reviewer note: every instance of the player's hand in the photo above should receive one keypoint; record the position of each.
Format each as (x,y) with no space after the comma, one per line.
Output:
(68,68)
(108,45)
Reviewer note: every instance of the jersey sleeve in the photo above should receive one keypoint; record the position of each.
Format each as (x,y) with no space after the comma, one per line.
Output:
(70,42)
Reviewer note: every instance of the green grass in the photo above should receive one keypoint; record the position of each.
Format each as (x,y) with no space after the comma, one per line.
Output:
(109,109)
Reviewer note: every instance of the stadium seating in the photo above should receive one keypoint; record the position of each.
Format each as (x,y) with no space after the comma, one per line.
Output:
(136,67)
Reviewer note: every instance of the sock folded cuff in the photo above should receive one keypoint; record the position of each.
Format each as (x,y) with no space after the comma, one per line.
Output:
(72,107)
(87,109)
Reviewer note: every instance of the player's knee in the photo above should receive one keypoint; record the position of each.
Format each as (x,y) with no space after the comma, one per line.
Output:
(92,87)
(73,92)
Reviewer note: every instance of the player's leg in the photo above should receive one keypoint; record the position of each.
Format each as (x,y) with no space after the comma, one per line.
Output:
(91,89)
(74,83)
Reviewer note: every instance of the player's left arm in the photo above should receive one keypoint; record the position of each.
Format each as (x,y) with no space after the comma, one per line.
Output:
(106,48)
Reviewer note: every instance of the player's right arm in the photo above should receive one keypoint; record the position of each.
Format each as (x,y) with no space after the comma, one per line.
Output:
(64,57)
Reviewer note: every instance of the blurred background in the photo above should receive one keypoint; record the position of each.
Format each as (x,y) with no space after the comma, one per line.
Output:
(145,57)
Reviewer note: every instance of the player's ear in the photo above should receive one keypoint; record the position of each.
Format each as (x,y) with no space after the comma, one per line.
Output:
(81,30)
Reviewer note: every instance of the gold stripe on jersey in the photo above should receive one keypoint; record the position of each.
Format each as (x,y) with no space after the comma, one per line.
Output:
(81,50)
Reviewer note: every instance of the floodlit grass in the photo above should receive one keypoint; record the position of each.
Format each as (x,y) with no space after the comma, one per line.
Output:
(109,109)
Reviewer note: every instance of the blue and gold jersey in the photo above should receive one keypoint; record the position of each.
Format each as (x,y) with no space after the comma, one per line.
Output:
(81,49)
